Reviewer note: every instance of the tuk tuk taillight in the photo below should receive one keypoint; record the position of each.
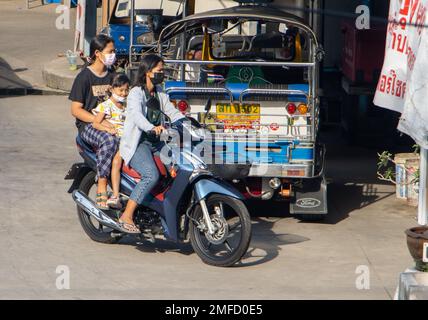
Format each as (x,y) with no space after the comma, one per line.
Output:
(291,108)
(183,106)
(303,108)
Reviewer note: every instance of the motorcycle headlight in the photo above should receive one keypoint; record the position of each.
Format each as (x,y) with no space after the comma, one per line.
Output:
(197,133)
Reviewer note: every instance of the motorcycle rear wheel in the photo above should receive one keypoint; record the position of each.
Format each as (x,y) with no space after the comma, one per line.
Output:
(238,227)
(93,228)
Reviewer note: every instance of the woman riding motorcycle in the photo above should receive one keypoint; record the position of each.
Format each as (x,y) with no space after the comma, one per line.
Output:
(142,129)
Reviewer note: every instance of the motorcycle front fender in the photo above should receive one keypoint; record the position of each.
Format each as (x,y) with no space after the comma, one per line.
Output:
(205,187)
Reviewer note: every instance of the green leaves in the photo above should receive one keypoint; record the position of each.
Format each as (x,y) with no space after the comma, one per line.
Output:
(386,168)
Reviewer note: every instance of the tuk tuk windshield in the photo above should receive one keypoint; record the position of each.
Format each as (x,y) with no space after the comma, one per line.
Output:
(254,40)
(169,8)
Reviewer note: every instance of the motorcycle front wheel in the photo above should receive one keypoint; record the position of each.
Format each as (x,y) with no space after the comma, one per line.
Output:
(230,241)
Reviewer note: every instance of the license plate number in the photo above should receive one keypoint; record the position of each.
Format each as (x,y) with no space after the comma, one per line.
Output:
(238,117)
(237,109)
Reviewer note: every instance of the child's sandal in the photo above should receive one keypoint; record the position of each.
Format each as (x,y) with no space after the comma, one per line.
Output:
(114,203)
(102,198)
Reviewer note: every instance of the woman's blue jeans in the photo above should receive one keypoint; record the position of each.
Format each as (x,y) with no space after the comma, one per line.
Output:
(143,163)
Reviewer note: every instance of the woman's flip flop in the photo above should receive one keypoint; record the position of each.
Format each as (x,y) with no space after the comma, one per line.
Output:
(129,228)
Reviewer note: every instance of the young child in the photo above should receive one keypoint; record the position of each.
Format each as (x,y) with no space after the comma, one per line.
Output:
(113,110)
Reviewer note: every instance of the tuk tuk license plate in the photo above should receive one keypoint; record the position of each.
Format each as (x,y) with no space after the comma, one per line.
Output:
(238,114)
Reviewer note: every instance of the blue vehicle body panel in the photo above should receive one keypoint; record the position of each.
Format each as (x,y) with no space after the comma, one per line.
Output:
(237,152)
(206,187)
(168,208)
(235,88)
(118,30)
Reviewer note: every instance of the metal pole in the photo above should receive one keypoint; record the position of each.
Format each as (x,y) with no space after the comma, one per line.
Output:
(244,63)
(90,29)
(183,45)
(423,189)
(131,35)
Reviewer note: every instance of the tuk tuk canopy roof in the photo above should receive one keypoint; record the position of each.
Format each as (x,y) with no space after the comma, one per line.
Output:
(269,13)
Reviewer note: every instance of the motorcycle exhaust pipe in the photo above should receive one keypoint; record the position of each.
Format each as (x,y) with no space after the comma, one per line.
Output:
(89,207)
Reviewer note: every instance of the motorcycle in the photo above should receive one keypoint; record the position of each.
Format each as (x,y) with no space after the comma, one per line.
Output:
(188,204)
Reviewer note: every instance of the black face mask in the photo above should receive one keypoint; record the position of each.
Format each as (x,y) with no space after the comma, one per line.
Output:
(157,78)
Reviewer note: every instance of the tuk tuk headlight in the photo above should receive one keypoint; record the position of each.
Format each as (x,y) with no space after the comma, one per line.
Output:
(146,38)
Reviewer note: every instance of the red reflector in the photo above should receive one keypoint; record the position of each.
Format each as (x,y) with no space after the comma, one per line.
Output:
(296,173)
(291,108)
(274,126)
(183,106)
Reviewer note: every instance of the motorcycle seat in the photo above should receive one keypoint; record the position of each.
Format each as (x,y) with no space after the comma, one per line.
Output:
(135,175)
(86,146)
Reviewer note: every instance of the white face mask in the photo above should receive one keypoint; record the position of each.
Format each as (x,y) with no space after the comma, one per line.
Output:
(118,98)
(110,59)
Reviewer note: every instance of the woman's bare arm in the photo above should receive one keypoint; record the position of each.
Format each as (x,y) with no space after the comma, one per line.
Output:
(80,113)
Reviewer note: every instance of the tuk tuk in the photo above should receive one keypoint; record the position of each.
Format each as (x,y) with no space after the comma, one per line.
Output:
(249,74)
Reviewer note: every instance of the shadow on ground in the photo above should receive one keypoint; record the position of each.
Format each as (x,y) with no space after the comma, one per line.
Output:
(10,82)
(264,247)
(352,186)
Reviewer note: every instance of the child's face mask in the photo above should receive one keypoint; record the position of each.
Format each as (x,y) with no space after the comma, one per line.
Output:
(118,98)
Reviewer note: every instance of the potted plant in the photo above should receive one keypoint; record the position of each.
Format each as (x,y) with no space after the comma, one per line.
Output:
(403,171)
(416,239)
(407,183)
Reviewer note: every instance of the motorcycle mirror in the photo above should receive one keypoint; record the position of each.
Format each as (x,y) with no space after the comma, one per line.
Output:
(207,110)
(208,105)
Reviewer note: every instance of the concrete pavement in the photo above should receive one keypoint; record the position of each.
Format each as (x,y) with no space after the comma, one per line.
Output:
(39,231)
(29,40)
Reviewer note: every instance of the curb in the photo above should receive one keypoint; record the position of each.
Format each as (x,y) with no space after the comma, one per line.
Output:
(58,76)
(31,91)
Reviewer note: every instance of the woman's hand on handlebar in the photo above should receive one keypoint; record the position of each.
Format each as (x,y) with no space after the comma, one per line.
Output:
(158,130)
